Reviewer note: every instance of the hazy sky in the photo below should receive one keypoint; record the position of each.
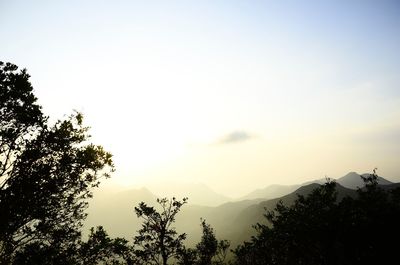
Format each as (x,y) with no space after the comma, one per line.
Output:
(233,94)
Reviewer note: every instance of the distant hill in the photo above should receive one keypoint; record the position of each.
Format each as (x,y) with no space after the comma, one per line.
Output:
(353,180)
(221,218)
(231,220)
(198,193)
(115,211)
(270,192)
(254,214)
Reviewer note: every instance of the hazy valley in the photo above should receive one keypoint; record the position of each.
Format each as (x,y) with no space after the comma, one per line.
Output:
(232,218)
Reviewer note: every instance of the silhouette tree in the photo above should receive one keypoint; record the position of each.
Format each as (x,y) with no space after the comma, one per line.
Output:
(46,173)
(319,229)
(158,240)
(208,251)
(98,249)
(187,256)
(207,247)
(101,249)
(55,249)
(222,251)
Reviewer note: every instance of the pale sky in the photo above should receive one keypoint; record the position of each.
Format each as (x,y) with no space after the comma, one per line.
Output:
(233,94)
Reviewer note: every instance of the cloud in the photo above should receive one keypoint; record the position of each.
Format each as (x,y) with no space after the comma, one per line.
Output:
(235,137)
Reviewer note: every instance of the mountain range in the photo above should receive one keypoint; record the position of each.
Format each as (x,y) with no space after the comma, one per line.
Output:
(199,193)
(232,220)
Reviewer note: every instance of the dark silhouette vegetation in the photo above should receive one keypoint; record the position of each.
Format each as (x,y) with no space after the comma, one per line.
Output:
(320,229)
(48,171)
(157,241)
(46,175)
(209,250)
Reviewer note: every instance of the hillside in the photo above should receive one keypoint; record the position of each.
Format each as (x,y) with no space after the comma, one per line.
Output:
(115,211)
(270,192)
(199,193)
(254,214)
(231,220)
(353,180)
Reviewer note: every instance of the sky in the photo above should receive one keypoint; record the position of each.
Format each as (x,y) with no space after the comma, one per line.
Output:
(233,94)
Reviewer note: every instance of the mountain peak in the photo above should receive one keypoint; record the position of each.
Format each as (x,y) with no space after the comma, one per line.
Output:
(353,180)
(351,174)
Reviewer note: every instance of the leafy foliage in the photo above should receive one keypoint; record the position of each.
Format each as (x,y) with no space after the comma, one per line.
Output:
(46,174)
(187,256)
(207,247)
(100,248)
(208,251)
(158,240)
(319,229)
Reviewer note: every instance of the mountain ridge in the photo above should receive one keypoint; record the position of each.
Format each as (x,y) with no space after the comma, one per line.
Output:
(231,220)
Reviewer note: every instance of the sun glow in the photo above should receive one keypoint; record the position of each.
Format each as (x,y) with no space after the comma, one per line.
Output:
(210,92)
